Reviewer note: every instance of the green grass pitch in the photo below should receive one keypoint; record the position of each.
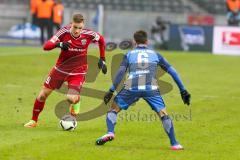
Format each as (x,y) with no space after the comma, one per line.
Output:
(208,129)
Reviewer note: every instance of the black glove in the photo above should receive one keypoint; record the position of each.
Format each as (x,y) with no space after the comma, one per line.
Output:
(108,96)
(63,45)
(186,97)
(102,65)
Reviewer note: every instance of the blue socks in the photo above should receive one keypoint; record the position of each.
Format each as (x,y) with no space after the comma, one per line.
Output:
(111,121)
(166,121)
(168,127)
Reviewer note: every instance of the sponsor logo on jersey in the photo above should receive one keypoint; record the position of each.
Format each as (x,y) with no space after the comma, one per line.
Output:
(77,50)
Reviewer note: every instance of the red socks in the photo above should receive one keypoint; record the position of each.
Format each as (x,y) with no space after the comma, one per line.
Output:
(37,109)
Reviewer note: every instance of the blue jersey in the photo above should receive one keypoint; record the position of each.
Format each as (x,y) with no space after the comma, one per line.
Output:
(142,64)
(142,67)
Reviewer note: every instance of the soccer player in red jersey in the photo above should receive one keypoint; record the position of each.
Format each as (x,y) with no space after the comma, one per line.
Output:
(71,66)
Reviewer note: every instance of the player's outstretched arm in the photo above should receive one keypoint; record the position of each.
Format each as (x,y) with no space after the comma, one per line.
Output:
(171,70)
(118,78)
(184,93)
(49,45)
(55,41)
(101,44)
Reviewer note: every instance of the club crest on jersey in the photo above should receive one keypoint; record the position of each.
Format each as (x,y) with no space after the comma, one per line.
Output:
(83,41)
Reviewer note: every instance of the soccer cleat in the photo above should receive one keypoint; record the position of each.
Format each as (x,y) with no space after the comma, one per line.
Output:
(105,138)
(177,147)
(31,124)
(74,110)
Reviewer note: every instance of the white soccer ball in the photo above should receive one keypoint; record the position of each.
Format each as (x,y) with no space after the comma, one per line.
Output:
(68,123)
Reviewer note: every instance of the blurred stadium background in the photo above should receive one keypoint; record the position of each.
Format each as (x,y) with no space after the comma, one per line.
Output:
(193,29)
(122,17)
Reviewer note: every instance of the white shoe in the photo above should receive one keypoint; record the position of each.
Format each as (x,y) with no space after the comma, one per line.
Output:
(31,124)
(105,138)
(177,147)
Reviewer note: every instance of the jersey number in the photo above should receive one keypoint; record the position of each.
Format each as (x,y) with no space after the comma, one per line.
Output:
(48,80)
(142,60)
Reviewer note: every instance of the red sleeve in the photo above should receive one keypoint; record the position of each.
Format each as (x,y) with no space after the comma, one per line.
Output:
(101,44)
(51,43)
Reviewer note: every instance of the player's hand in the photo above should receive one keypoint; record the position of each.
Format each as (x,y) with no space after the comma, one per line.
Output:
(108,96)
(186,97)
(102,65)
(63,45)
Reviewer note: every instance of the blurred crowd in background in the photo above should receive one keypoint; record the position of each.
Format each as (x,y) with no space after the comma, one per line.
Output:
(34,21)
(233,12)
(48,15)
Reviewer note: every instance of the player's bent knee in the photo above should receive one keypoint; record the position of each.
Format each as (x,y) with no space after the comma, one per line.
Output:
(42,96)
(162,113)
(73,98)
(115,107)
(44,93)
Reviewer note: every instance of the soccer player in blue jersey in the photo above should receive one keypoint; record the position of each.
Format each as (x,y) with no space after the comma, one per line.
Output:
(142,63)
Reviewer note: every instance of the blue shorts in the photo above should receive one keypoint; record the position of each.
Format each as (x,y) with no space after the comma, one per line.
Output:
(127,97)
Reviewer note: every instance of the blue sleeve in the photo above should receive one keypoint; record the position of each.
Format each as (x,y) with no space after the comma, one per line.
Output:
(120,73)
(163,63)
(171,70)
